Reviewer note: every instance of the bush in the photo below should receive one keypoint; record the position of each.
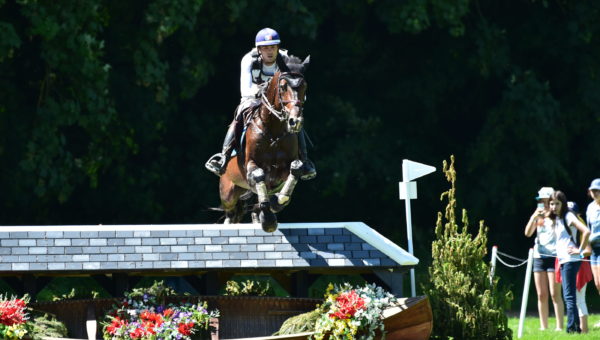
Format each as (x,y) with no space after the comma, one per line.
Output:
(45,325)
(465,304)
(248,288)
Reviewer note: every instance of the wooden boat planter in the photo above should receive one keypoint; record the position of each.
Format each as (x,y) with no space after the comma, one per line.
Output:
(410,319)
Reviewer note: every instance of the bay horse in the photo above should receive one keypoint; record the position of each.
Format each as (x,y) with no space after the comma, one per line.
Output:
(267,162)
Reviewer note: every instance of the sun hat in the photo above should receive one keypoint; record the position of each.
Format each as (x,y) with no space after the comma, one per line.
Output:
(545,192)
(595,184)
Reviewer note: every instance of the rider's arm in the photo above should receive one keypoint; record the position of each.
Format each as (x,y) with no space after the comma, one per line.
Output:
(247,88)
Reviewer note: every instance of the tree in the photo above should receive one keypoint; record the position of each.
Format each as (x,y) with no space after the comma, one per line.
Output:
(465,304)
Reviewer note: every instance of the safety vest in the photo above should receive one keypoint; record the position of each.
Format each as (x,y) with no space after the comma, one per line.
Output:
(258,76)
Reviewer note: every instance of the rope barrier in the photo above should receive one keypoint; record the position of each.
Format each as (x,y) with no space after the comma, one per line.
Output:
(510,256)
(511,265)
(525,260)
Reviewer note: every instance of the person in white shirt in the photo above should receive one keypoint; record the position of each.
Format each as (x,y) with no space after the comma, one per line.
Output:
(257,68)
(592,216)
(544,256)
(569,254)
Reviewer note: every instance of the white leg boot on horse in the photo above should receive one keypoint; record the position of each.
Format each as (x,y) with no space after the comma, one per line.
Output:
(282,198)
(256,178)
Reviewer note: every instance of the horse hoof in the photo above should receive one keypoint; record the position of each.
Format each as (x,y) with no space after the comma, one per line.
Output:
(269,228)
(268,222)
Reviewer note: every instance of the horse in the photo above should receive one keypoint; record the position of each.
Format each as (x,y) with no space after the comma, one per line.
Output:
(266,163)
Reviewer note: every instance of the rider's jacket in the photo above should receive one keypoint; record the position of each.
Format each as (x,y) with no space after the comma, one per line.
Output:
(254,72)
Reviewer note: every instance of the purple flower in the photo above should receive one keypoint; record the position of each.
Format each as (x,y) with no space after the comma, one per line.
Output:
(160,309)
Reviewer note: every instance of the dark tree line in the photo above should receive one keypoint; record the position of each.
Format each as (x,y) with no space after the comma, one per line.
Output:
(109,109)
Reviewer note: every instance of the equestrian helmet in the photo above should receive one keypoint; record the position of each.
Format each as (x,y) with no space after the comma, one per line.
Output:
(267,36)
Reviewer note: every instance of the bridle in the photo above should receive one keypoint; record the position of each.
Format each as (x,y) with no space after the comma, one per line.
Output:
(295,80)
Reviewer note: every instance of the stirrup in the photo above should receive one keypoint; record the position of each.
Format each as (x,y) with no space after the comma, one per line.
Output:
(215,164)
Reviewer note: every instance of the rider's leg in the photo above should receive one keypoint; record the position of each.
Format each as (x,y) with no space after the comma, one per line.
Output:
(308,170)
(217,162)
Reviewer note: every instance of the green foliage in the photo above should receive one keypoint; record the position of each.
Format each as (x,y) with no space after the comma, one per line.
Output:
(249,288)
(304,322)
(158,290)
(72,295)
(465,304)
(71,288)
(44,325)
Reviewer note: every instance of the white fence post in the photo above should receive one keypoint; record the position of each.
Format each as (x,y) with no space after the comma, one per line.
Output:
(525,293)
(493,264)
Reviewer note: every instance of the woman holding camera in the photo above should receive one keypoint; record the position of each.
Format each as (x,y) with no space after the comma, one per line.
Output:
(544,254)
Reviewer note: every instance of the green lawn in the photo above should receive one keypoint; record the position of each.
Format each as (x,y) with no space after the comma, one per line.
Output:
(532,324)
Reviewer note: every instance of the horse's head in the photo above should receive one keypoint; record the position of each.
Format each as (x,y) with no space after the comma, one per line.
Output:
(291,94)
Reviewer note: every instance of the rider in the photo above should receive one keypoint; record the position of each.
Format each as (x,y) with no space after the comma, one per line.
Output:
(258,67)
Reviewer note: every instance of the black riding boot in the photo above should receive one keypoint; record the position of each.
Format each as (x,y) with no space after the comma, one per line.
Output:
(308,167)
(216,163)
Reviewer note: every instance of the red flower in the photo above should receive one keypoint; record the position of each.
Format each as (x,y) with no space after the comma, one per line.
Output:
(186,328)
(137,333)
(145,315)
(115,325)
(12,312)
(168,312)
(348,303)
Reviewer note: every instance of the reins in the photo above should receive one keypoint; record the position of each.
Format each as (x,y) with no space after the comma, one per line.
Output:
(283,114)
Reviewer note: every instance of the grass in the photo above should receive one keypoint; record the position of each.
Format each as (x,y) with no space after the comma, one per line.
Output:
(532,324)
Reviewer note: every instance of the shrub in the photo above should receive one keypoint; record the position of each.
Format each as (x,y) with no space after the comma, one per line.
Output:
(465,304)
(248,288)
(45,325)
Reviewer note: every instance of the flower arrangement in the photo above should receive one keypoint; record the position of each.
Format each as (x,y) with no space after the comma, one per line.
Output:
(13,317)
(352,312)
(147,317)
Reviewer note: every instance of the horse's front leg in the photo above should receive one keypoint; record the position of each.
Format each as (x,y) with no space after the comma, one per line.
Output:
(257,179)
(282,198)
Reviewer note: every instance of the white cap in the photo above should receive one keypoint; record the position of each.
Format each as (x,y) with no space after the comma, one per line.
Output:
(545,192)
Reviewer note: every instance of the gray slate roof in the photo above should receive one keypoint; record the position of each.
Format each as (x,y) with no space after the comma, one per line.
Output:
(105,248)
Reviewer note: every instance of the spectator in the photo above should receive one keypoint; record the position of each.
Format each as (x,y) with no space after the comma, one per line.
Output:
(584,275)
(568,253)
(544,254)
(592,216)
